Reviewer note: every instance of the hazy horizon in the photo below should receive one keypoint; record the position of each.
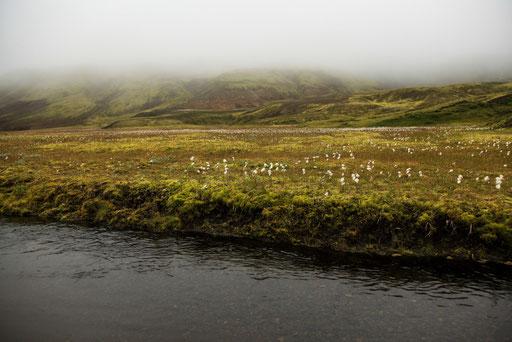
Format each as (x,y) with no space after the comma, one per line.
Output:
(427,42)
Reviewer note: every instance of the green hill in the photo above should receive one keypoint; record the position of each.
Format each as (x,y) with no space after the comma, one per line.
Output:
(244,97)
(83,100)
(461,104)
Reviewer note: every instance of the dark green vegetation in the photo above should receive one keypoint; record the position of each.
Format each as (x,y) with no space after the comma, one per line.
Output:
(250,97)
(434,192)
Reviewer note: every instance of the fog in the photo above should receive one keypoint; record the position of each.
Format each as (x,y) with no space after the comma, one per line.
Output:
(395,41)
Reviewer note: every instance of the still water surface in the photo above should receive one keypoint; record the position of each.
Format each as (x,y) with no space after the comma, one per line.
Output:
(64,282)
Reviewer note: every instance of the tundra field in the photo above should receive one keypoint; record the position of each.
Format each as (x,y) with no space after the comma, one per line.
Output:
(388,191)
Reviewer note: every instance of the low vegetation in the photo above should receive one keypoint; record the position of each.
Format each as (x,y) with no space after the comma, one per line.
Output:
(413,191)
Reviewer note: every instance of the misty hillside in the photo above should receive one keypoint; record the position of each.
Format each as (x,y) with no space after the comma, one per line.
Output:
(253,88)
(244,97)
(96,100)
(83,100)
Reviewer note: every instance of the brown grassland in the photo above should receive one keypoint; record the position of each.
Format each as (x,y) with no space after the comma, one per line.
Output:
(403,191)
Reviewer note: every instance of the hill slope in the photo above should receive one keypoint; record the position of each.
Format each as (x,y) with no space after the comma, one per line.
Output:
(254,88)
(97,100)
(69,101)
(460,104)
(246,97)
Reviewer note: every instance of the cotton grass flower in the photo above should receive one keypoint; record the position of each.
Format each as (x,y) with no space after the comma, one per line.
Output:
(355,177)
(499,180)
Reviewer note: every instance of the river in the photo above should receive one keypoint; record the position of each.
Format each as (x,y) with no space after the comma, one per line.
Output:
(72,283)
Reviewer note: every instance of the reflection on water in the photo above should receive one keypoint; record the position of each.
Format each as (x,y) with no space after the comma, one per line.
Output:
(62,282)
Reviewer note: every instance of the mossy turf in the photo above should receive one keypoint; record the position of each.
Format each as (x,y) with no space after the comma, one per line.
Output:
(427,192)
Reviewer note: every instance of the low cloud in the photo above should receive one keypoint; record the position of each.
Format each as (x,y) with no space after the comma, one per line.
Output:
(395,41)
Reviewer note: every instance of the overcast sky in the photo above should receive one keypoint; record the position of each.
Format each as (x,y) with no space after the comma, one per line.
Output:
(415,39)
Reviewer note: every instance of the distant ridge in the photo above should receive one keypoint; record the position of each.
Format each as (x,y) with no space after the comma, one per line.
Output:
(243,97)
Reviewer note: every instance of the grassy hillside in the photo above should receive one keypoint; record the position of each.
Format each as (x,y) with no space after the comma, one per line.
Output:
(71,101)
(254,88)
(97,100)
(245,97)
(462,104)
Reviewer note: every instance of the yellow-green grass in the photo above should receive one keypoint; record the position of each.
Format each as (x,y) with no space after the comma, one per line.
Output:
(419,191)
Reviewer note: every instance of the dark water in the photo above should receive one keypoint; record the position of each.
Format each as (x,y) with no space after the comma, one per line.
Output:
(61,282)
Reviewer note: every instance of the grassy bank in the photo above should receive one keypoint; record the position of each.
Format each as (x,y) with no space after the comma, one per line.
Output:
(401,191)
